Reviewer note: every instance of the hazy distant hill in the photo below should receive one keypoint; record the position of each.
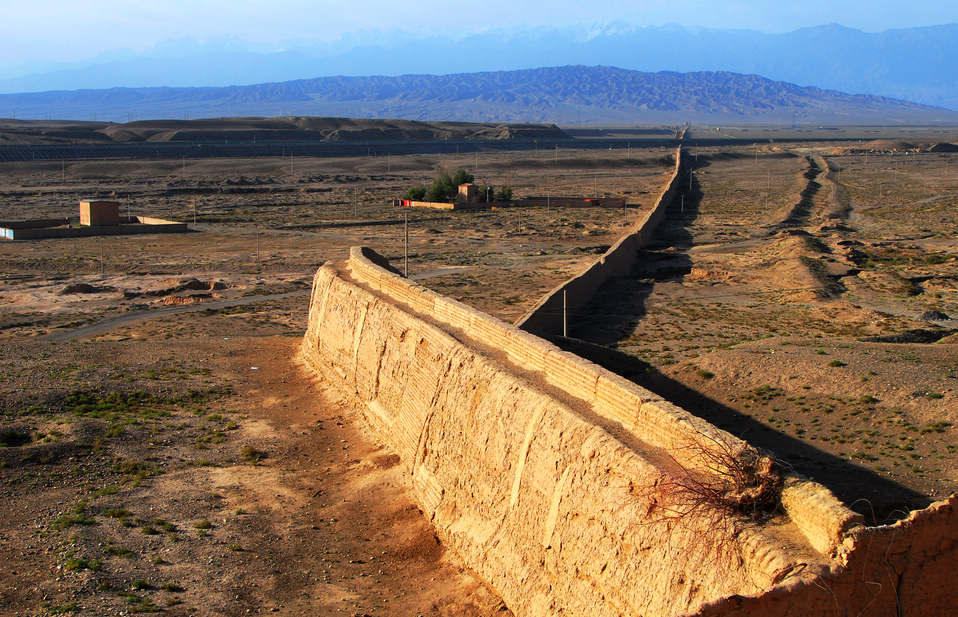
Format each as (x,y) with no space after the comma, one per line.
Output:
(569,95)
(248,130)
(915,64)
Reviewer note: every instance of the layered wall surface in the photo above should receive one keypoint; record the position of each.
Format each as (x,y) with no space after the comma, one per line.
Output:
(561,484)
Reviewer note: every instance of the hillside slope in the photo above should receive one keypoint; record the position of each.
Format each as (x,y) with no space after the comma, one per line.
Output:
(915,64)
(570,94)
(249,130)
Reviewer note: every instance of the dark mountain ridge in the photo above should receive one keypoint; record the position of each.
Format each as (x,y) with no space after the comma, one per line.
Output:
(915,64)
(562,95)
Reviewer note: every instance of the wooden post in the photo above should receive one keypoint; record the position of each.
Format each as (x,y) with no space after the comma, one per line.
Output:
(405,244)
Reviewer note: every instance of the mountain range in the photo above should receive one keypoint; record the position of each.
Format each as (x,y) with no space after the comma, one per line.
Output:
(569,95)
(914,64)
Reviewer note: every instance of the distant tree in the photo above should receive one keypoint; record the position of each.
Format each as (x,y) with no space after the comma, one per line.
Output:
(504,194)
(462,177)
(415,193)
(442,189)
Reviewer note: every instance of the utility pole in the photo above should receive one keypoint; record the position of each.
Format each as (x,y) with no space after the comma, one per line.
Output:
(768,190)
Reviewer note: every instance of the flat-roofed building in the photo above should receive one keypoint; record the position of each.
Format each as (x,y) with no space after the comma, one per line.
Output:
(98,213)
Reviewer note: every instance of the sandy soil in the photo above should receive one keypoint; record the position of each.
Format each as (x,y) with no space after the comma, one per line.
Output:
(785,303)
(161,448)
(182,461)
(238,485)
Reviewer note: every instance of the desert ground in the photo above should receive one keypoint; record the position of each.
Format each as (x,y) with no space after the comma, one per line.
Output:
(163,450)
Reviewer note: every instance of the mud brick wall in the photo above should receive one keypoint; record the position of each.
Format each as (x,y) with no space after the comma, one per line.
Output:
(546,317)
(540,469)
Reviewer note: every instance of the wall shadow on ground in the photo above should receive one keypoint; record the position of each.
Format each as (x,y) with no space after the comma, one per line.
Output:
(618,306)
(802,211)
(877,498)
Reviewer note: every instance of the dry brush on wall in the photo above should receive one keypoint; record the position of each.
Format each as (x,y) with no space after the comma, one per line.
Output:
(573,491)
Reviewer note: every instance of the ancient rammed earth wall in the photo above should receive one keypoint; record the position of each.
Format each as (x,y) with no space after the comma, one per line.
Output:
(546,317)
(546,473)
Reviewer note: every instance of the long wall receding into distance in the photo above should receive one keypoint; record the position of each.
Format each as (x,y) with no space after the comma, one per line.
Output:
(572,491)
(547,316)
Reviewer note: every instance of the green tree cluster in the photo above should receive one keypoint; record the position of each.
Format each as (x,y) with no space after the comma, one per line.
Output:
(415,193)
(443,188)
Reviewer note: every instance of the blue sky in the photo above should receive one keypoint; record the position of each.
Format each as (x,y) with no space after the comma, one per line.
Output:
(72,30)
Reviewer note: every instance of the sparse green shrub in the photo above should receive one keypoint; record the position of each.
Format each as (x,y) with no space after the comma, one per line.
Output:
(934,427)
(165,525)
(766,392)
(252,455)
(75,564)
(62,609)
(77,515)
(118,551)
